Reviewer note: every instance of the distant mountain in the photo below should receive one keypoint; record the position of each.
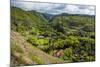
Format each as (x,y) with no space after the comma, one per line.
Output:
(48,16)
(67,14)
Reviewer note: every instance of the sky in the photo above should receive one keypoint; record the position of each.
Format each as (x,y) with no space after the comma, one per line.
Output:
(88,2)
(55,8)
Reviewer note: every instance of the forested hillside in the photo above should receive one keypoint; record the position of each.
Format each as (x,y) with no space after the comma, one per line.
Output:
(59,38)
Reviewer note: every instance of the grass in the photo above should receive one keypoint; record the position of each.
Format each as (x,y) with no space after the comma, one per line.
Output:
(35,58)
(16,48)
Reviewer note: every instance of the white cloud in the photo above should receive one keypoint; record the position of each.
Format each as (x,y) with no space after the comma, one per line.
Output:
(85,2)
(55,8)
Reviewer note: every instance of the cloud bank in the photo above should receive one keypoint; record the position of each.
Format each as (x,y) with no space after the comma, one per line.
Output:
(53,8)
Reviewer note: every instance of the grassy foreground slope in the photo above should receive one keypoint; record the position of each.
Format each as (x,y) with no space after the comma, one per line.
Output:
(24,53)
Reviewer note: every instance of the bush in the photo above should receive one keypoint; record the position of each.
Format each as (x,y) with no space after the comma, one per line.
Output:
(32,40)
(72,41)
(86,40)
(59,44)
(90,58)
(89,28)
(68,54)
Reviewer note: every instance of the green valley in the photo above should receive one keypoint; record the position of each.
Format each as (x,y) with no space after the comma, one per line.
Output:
(62,38)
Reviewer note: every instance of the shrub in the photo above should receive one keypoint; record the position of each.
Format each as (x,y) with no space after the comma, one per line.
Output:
(59,43)
(86,40)
(68,54)
(32,40)
(89,28)
(72,41)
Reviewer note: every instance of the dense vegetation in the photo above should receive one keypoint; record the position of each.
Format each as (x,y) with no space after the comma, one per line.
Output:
(68,37)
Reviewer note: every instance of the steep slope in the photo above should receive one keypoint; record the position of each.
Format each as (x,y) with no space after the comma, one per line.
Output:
(23,53)
(26,20)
